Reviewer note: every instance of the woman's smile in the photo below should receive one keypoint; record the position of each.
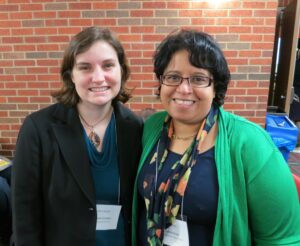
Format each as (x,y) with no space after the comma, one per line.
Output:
(99,89)
(184,102)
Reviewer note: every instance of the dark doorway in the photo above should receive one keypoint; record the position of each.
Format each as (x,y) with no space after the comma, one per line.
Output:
(284,57)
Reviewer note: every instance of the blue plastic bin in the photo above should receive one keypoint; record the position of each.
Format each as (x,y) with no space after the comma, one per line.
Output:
(283,132)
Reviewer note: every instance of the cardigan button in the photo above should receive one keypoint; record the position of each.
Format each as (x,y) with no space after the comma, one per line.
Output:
(91,209)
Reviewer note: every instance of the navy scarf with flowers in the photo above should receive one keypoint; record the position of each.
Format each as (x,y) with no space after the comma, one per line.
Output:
(163,202)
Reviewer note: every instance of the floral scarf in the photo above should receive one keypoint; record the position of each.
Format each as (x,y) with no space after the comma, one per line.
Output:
(163,202)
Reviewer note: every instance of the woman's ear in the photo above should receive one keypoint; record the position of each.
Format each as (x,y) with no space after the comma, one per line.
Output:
(71,76)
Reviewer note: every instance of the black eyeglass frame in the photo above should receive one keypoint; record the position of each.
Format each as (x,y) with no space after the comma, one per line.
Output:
(210,81)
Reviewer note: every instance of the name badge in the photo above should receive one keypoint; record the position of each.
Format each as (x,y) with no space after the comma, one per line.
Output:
(107,216)
(177,234)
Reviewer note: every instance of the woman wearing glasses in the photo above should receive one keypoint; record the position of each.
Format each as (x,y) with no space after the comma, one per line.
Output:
(206,176)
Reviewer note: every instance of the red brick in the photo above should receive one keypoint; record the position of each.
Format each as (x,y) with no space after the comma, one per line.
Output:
(236,91)
(141,61)
(37,70)
(141,13)
(22,63)
(25,48)
(59,39)
(105,22)
(72,31)
(153,38)
(104,5)
(47,63)
(234,106)
(6,63)
(80,6)
(56,22)
(142,29)
(258,91)
(140,107)
(254,5)
(50,77)
(120,29)
(216,13)
(31,7)
(240,13)
(28,92)
(46,15)
(190,13)
(47,47)
(132,37)
(203,21)
(17,99)
(246,99)
(264,29)
(265,13)
(78,22)
(262,46)
(142,77)
(261,61)
(237,61)
(272,4)
(252,21)
(251,37)
(35,39)
(38,85)
(228,21)
(249,53)
(8,93)
(21,15)
(45,31)
(143,46)
(216,29)
(239,29)
(5,24)
(25,77)
(69,14)
(179,5)
(40,99)
(8,8)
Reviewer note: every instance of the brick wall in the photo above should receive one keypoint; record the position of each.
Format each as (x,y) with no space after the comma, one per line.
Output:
(33,34)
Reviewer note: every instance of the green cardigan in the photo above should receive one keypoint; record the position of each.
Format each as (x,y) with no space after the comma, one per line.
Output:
(258,199)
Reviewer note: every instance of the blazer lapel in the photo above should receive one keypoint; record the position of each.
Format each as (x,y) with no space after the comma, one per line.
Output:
(68,132)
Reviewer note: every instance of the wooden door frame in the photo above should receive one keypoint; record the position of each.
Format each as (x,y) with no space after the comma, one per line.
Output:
(280,96)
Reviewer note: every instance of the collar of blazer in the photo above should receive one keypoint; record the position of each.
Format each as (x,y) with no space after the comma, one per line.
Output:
(69,136)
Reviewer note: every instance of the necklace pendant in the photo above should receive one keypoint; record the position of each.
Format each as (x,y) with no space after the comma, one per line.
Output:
(95,139)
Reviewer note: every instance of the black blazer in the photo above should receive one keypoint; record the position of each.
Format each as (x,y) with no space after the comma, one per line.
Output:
(52,185)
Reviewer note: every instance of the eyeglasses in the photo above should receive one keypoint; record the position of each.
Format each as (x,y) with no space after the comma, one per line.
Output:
(195,81)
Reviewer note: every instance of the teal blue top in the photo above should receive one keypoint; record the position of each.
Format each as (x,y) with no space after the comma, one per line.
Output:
(258,202)
(104,166)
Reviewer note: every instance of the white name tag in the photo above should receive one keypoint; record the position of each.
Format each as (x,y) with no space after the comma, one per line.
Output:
(107,216)
(177,234)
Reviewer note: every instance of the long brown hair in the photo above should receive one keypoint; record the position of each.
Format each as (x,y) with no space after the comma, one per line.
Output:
(79,44)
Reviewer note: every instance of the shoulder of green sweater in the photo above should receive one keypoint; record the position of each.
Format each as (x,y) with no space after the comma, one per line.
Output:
(153,126)
(238,122)
(250,145)
(155,120)
(240,126)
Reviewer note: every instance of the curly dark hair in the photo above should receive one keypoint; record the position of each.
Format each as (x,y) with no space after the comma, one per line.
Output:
(204,52)
(79,44)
